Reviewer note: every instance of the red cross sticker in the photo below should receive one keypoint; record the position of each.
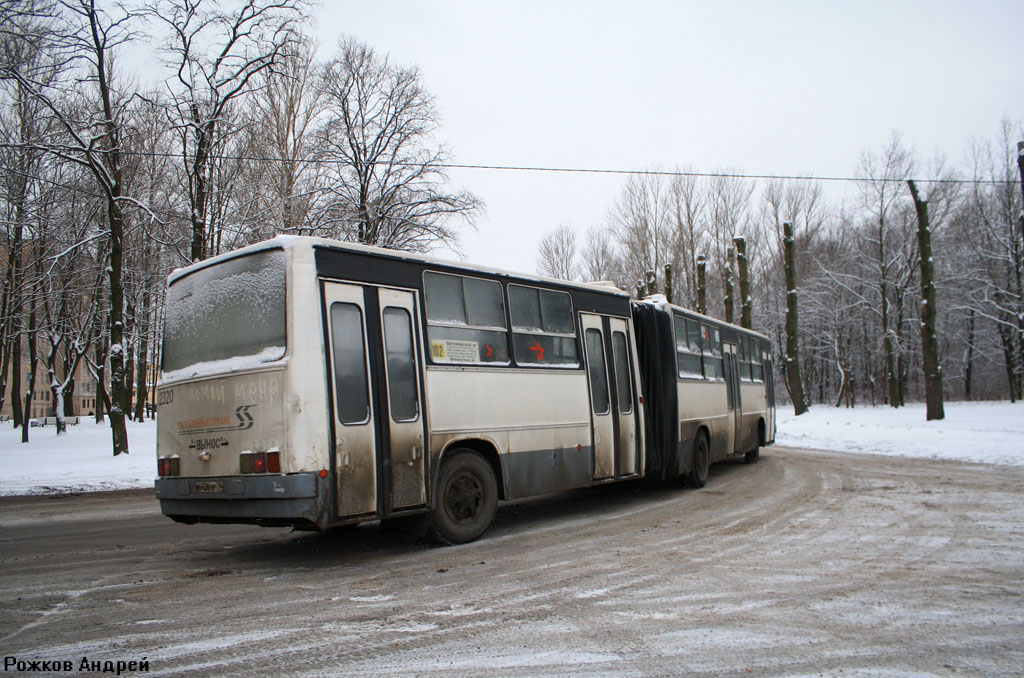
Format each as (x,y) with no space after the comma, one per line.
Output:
(539,350)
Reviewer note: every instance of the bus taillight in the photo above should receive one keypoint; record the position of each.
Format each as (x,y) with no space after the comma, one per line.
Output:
(260,462)
(168,466)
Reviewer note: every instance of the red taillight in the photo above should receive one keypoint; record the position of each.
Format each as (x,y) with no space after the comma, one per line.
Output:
(273,462)
(168,466)
(259,462)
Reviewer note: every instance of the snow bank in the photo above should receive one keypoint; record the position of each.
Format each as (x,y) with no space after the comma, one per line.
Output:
(978,432)
(80,461)
(991,433)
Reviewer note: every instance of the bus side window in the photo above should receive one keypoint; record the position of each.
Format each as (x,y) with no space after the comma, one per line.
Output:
(746,356)
(542,327)
(712,345)
(401,363)
(598,376)
(687,357)
(465,320)
(352,392)
(623,388)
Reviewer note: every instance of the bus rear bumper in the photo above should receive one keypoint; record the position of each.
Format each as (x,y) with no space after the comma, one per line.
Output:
(298,499)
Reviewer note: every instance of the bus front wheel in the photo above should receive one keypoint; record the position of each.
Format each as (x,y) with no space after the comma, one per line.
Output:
(467,498)
(700,462)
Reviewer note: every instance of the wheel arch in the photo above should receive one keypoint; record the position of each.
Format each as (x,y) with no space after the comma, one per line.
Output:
(482,446)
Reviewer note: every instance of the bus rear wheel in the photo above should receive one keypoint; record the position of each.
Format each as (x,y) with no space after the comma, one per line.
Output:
(467,498)
(753,455)
(701,461)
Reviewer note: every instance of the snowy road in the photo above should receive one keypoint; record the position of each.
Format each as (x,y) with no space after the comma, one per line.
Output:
(806,563)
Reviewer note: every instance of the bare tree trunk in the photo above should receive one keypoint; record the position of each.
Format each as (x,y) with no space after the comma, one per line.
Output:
(668,282)
(929,317)
(32,358)
(1018,242)
(969,361)
(745,300)
(730,264)
(793,380)
(702,287)
(117,383)
(142,368)
(18,414)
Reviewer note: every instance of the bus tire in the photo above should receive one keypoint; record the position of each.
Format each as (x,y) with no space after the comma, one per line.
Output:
(753,455)
(700,462)
(467,498)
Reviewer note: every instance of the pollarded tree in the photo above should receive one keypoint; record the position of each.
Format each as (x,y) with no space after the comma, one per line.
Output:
(383,176)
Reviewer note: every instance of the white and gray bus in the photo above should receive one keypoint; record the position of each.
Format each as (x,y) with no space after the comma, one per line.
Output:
(315,383)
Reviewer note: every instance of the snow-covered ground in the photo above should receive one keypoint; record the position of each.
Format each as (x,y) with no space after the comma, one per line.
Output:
(991,433)
(81,460)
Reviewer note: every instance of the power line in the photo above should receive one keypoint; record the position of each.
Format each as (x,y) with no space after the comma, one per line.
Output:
(571,170)
(592,170)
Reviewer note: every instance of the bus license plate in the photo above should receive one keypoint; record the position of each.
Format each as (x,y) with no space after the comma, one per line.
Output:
(216,486)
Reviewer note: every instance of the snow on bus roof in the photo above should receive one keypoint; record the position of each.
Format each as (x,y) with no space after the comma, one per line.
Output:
(290,241)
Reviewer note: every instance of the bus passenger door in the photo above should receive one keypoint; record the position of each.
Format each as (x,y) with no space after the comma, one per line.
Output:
(402,363)
(602,424)
(355,438)
(732,385)
(376,387)
(622,376)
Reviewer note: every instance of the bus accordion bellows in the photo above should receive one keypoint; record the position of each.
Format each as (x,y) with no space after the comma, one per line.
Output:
(312,383)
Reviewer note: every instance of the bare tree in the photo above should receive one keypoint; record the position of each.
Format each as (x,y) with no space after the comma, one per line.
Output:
(287,106)
(384,180)
(597,256)
(217,49)
(992,231)
(86,37)
(639,221)
(688,199)
(728,211)
(557,253)
(882,199)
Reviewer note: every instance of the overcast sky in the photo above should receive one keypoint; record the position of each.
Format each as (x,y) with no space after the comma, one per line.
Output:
(766,87)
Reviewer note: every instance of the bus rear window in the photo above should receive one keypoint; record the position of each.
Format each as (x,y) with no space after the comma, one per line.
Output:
(234,309)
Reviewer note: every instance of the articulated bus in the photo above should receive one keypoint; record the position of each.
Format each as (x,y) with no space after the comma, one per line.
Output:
(312,383)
